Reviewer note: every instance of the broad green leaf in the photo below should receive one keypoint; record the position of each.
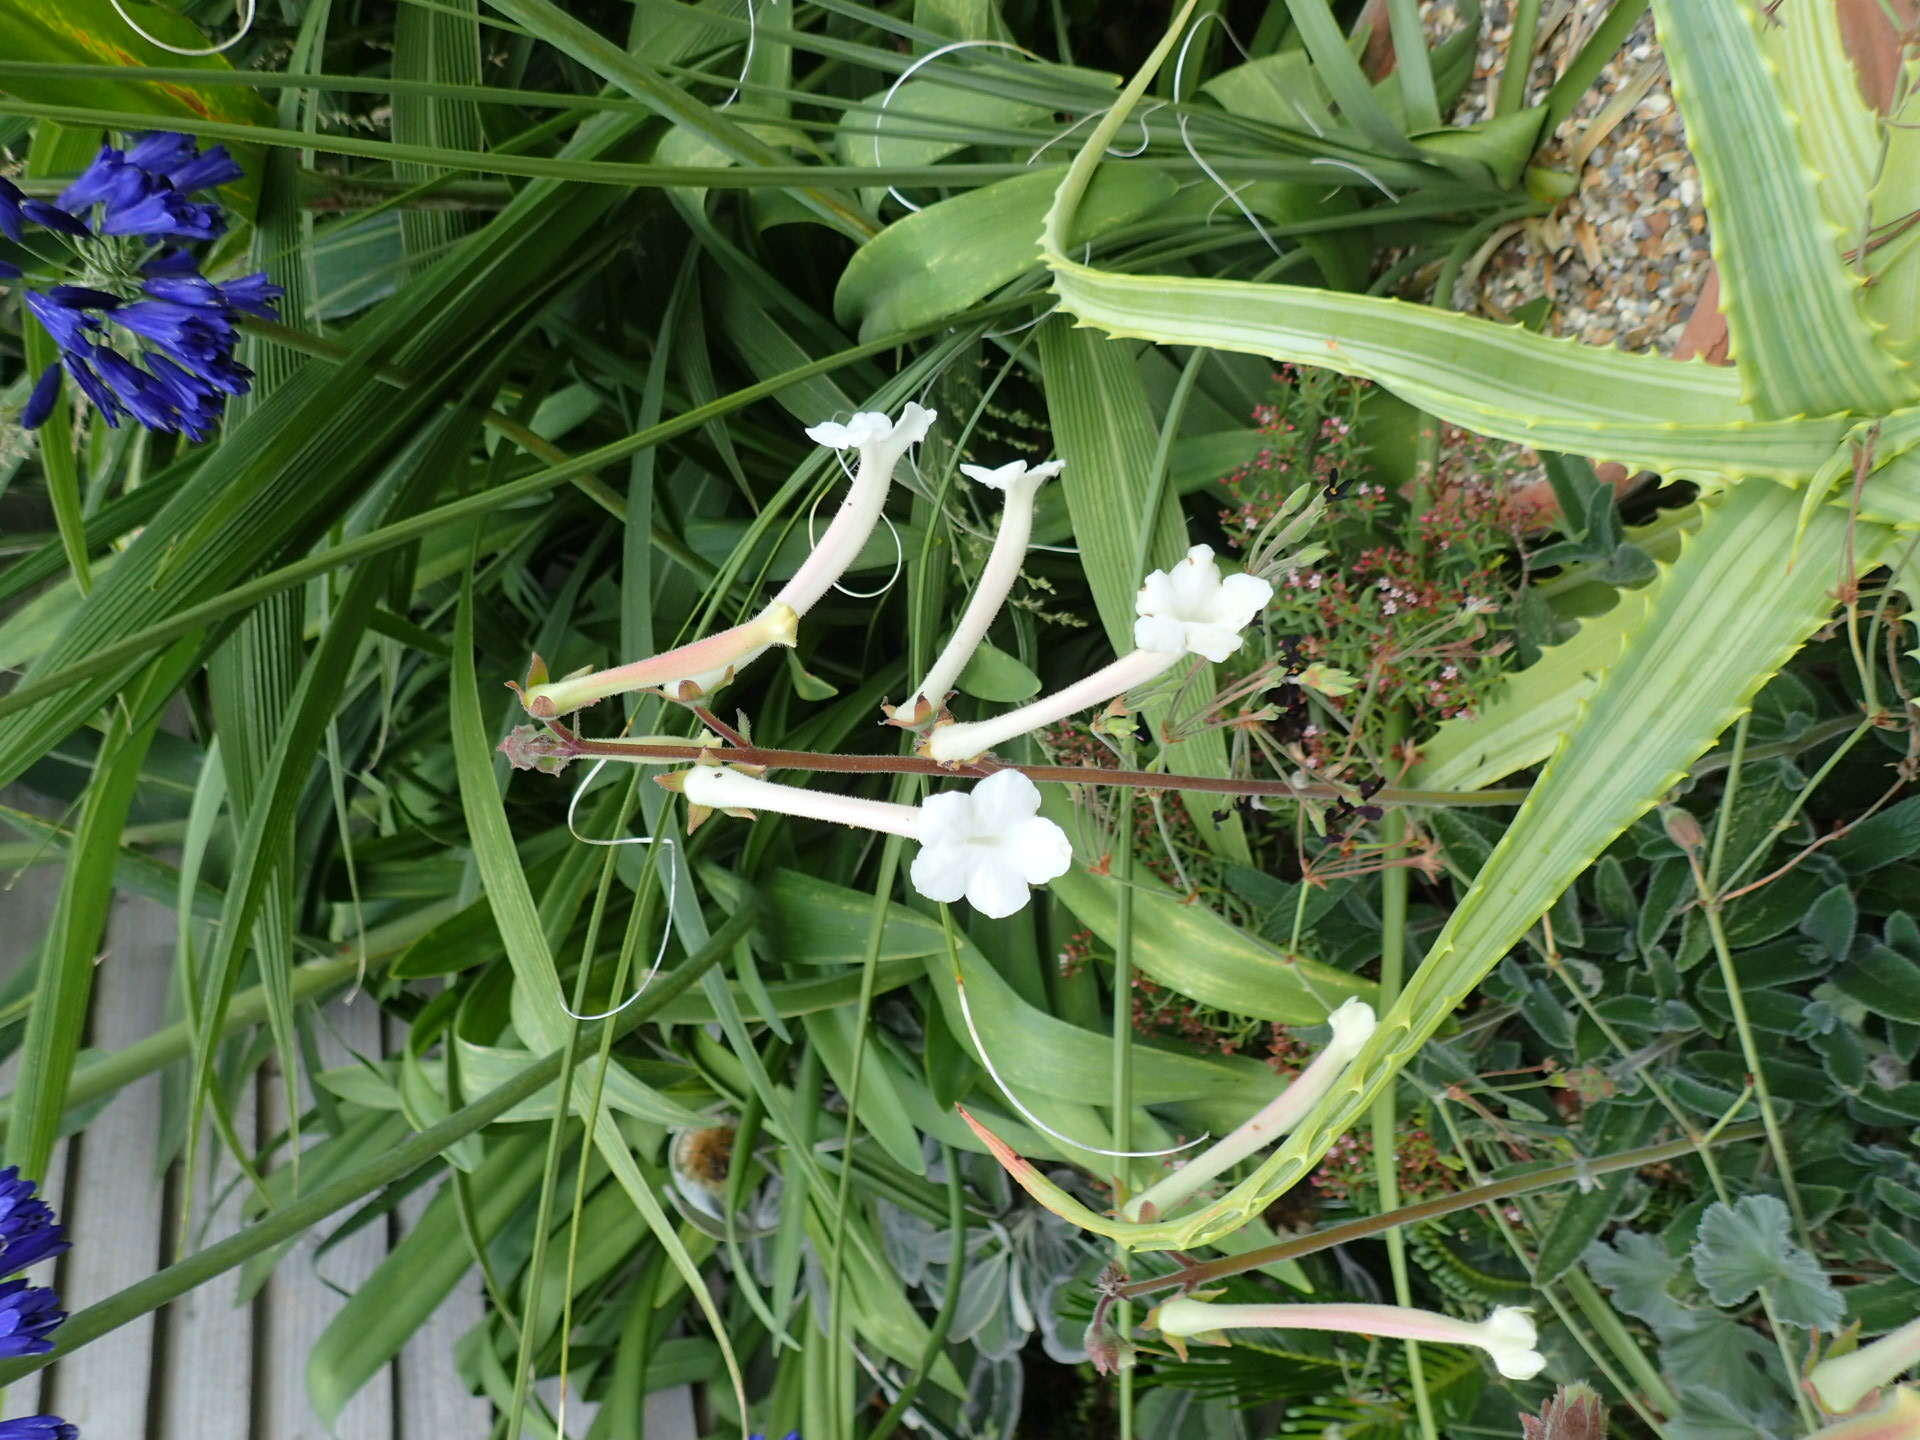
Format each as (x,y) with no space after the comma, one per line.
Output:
(993,674)
(1191,950)
(1748,1246)
(940,260)
(1801,341)
(56,1021)
(90,31)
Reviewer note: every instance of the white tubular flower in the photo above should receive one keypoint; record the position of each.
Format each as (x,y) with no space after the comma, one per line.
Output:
(1353,1024)
(699,668)
(1895,1418)
(1188,611)
(1507,1335)
(1191,609)
(1020,483)
(1844,1381)
(881,443)
(988,846)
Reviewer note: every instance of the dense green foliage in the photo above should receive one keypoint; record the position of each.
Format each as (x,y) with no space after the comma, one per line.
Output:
(565,285)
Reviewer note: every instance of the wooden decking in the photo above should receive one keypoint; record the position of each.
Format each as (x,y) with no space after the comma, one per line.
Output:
(208,1368)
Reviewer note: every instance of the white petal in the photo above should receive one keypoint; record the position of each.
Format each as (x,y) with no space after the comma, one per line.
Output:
(1216,642)
(1241,598)
(915,420)
(996,889)
(1156,595)
(1003,800)
(1156,632)
(1044,850)
(946,818)
(939,872)
(1047,469)
(832,434)
(1000,478)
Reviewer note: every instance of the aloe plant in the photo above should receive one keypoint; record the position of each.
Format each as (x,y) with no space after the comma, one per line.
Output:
(1821,393)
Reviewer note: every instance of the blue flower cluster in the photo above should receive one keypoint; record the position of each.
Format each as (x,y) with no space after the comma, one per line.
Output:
(128,219)
(28,1313)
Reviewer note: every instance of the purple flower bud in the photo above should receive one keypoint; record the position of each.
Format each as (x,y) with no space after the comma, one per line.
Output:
(9,272)
(161,152)
(53,218)
(203,172)
(166,212)
(184,289)
(40,404)
(38,1427)
(11,197)
(67,325)
(254,294)
(109,180)
(96,390)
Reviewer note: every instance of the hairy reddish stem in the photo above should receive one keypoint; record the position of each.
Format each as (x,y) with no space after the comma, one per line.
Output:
(576,747)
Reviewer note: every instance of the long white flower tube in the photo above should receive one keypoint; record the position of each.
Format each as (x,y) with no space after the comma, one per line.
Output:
(1895,1418)
(693,670)
(1508,1334)
(988,845)
(1844,1381)
(1188,610)
(1020,484)
(1353,1025)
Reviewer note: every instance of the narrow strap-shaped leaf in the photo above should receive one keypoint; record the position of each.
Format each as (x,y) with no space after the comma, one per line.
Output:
(441,45)
(1800,339)
(539,1014)
(633,75)
(1340,72)
(1102,429)
(56,1021)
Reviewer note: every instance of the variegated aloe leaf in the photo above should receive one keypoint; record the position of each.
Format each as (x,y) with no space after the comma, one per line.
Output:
(1838,132)
(1802,340)
(1523,720)
(1892,259)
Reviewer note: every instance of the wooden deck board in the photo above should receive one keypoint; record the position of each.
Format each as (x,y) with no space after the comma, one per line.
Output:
(115,1209)
(206,1368)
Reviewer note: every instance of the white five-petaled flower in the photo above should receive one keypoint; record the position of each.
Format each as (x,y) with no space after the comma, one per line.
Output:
(1021,483)
(1189,610)
(988,846)
(1192,610)
(1507,1335)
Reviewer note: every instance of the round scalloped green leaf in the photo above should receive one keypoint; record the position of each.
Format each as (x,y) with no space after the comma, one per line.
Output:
(940,260)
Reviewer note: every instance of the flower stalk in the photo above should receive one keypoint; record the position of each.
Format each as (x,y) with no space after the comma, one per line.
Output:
(1020,484)
(1844,1381)
(1353,1024)
(1508,1335)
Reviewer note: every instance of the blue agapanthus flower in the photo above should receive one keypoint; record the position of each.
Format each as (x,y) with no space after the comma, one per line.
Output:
(28,1314)
(28,1231)
(38,1427)
(142,332)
